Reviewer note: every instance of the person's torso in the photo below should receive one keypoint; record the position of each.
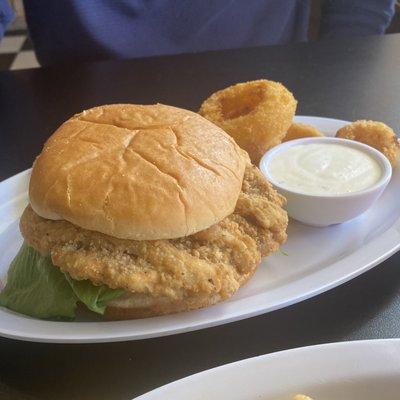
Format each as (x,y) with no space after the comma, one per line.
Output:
(68,30)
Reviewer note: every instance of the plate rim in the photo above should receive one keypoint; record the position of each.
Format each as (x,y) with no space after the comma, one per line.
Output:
(192,324)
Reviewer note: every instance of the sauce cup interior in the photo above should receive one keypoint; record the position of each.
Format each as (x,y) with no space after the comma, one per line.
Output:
(375,154)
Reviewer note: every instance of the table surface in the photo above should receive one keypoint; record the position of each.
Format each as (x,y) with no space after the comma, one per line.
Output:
(349,79)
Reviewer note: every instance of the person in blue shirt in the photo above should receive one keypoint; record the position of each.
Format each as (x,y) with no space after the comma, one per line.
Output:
(86,30)
(6,16)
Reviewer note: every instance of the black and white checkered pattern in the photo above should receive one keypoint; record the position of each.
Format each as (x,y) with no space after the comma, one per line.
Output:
(16,51)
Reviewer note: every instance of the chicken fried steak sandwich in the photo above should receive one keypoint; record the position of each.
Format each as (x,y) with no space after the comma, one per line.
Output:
(137,211)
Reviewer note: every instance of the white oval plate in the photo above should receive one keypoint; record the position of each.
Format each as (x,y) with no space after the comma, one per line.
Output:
(317,260)
(364,370)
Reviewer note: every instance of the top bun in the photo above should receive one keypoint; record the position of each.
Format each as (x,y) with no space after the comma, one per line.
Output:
(140,172)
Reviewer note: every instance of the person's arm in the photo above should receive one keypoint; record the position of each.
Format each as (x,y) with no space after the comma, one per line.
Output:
(6,16)
(343,18)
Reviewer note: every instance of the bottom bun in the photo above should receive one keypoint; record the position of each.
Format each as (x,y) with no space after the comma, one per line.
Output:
(140,306)
(136,305)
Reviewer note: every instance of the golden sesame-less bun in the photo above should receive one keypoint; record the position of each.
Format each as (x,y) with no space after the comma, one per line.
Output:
(132,305)
(140,172)
(257,114)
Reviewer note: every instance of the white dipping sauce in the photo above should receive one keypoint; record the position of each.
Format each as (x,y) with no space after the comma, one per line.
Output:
(324,169)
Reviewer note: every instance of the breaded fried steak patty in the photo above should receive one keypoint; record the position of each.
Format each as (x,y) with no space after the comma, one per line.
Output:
(166,276)
(138,211)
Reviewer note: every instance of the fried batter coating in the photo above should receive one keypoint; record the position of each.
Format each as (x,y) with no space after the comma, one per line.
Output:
(298,131)
(171,275)
(375,134)
(257,114)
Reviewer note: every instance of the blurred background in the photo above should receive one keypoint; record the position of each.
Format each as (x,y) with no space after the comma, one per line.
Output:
(107,29)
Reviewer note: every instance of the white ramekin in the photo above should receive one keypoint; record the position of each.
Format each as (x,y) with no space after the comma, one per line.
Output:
(326,210)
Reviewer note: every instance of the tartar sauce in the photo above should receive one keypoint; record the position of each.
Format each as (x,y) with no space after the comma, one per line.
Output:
(324,169)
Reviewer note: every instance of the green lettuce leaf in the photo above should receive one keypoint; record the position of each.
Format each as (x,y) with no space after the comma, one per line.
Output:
(94,297)
(37,288)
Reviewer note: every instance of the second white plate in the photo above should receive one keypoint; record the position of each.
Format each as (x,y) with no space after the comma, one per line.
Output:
(317,260)
(365,370)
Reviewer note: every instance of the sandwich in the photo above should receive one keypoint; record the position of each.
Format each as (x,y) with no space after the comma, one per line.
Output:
(137,211)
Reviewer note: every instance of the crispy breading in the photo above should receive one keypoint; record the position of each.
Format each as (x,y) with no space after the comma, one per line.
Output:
(298,131)
(211,264)
(375,134)
(257,114)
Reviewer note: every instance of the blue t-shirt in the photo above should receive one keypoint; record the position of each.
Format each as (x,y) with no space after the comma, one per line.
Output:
(83,30)
(6,16)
